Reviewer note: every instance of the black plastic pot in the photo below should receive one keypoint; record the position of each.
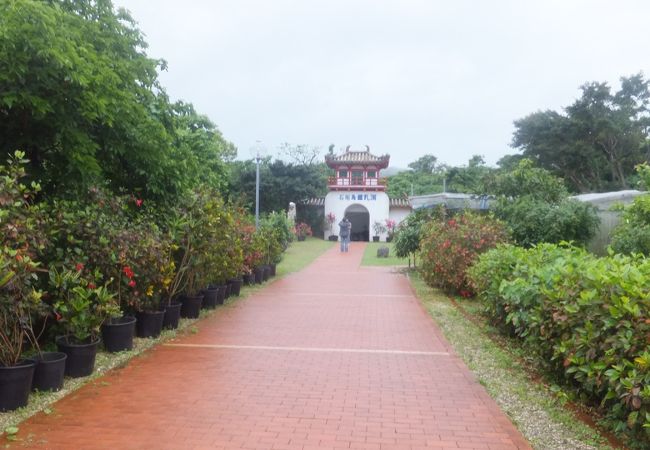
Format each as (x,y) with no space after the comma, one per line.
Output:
(249,278)
(81,356)
(49,371)
(273,269)
(301,238)
(259,274)
(333,238)
(117,334)
(210,298)
(228,289)
(235,286)
(149,324)
(191,306)
(221,294)
(172,315)
(267,272)
(15,384)
(375,239)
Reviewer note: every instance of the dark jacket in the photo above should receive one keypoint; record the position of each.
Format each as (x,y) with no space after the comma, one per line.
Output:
(344,228)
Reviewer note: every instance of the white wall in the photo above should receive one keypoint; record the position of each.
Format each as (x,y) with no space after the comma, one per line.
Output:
(399,214)
(376,203)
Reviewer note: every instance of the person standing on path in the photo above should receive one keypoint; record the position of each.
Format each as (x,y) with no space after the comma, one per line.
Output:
(345,228)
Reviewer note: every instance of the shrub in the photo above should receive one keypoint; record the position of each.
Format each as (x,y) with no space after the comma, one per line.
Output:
(81,306)
(303,230)
(532,221)
(585,317)
(449,247)
(20,295)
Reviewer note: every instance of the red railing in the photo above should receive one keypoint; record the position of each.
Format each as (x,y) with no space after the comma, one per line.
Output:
(356,181)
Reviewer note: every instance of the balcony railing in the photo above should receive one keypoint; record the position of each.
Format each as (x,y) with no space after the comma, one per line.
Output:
(357,182)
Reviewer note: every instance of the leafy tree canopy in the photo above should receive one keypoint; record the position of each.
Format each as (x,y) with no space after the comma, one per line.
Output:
(80,96)
(595,144)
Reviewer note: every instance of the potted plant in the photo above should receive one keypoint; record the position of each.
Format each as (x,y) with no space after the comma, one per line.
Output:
(330,218)
(18,300)
(20,296)
(302,231)
(390,228)
(379,229)
(81,306)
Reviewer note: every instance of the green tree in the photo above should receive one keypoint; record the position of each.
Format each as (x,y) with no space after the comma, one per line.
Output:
(599,139)
(535,205)
(80,96)
(424,164)
(280,183)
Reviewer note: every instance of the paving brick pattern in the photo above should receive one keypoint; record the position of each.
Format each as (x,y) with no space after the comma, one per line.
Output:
(333,357)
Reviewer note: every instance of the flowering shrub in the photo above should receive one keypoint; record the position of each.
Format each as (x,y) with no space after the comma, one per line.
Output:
(449,246)
(20,296)
(586,319)
(81,306)
(303,230)
(390,226)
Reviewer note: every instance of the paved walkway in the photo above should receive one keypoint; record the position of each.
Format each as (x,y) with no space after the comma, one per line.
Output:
(335,356)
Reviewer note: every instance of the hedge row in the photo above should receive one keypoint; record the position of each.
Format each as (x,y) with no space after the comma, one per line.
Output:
(587,319)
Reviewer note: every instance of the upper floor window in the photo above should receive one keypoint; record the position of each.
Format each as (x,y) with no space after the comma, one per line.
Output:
(343,173)
(372,174)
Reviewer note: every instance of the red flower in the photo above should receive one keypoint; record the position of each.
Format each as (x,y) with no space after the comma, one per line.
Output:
(91,286)
(138,202)
(57,316)
(128,272)
(79,267)
(132,283)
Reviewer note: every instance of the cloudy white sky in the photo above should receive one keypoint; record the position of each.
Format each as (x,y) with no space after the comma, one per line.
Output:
(407,77)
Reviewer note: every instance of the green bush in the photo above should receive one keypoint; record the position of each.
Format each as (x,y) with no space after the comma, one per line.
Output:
(449,247)
(585,317)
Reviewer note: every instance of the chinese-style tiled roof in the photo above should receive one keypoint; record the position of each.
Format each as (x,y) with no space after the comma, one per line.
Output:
(352,157)
(400,203)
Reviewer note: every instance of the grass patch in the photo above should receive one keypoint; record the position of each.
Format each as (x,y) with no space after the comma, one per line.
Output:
(297,256)
(536,409)
(301,254)
(370,256)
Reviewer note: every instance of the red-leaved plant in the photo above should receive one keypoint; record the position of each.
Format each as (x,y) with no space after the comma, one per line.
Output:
(450,246)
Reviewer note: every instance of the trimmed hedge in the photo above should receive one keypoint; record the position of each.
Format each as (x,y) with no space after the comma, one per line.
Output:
(587,318)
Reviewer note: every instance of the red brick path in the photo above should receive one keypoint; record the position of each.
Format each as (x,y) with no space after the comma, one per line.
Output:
(335,356)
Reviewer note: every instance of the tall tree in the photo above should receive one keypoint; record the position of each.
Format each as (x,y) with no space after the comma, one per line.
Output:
(598,140)
(80,96)
(424,164)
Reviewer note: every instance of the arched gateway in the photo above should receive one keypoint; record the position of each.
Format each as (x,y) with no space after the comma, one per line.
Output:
(357,191)
(360,219)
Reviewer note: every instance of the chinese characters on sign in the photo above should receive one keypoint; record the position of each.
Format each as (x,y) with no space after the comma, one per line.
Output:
(370,197)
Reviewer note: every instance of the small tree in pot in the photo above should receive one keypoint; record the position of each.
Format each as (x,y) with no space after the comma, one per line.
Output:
(379,229)
(20,297)
(330,218)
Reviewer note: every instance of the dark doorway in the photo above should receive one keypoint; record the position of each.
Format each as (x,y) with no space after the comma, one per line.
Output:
(360,218)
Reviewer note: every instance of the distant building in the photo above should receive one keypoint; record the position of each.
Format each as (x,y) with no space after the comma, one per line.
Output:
(357,191)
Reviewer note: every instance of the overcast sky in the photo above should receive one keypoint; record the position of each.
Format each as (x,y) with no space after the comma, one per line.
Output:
(407,77)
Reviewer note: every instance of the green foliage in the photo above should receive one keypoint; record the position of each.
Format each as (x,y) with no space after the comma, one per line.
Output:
(280,183)
(527,180)
(275,233)
(534,204)
(449,247)
(585,317)
(632,235)
(532,221)
(428,177)
(20,296)
(80,305)
(596,143)
(83,100)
